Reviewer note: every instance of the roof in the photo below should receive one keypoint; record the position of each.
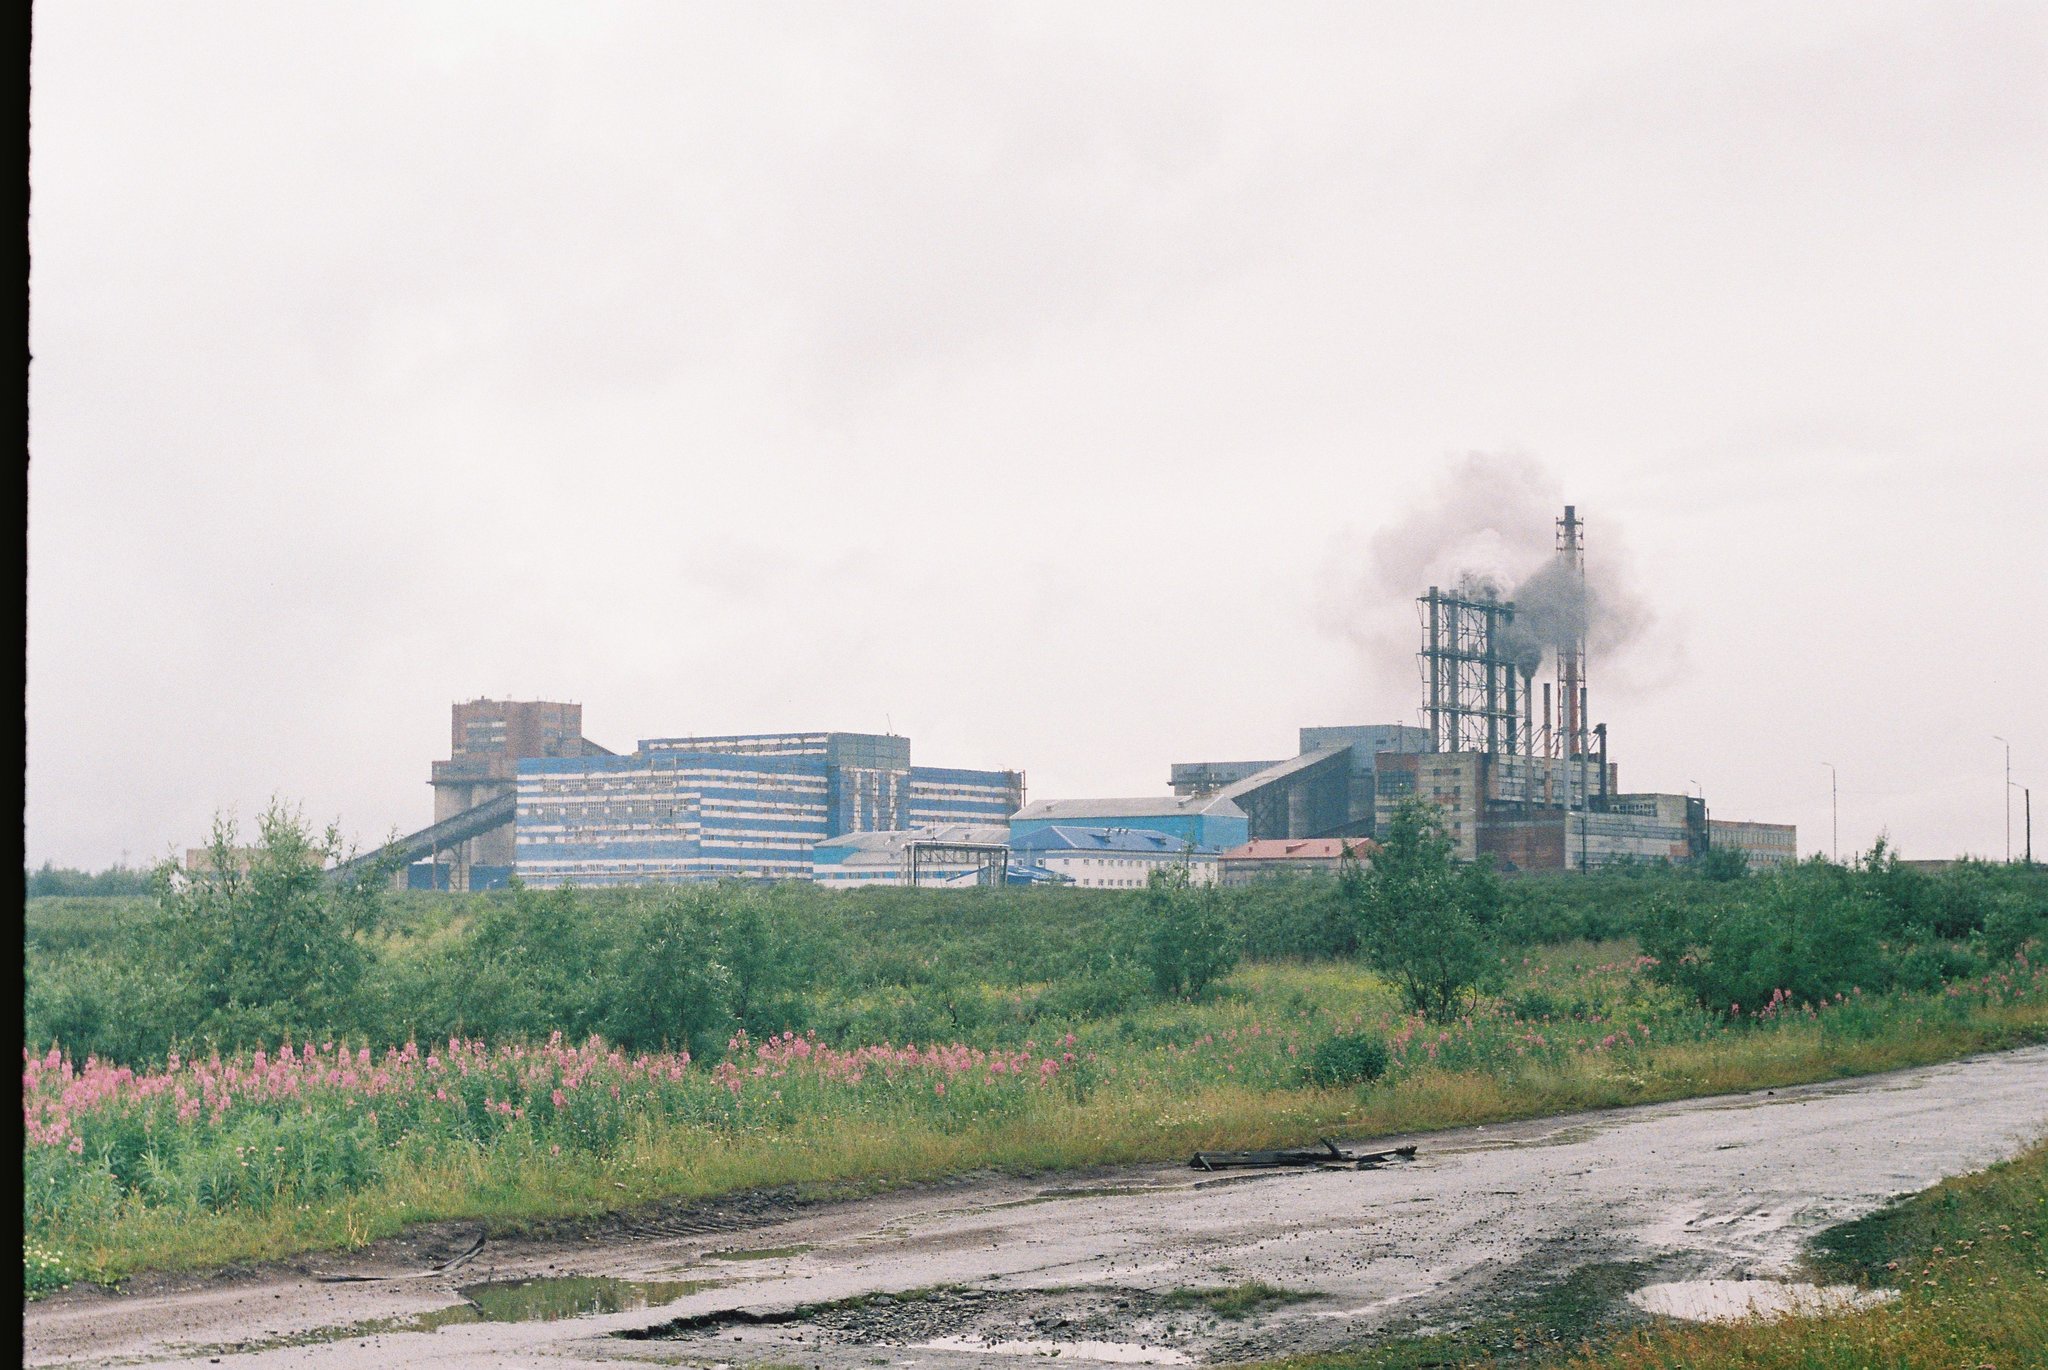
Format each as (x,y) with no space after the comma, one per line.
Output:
(1280,770)
(1301,849)
(1151,806)
(1036,875)
(1135,841)
(870,847)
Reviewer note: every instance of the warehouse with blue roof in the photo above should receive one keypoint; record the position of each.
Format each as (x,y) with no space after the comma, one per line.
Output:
(1114,858)
(1211,821)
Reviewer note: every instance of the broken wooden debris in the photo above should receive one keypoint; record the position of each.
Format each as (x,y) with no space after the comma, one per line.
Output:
(443,1268)
(1328,1156)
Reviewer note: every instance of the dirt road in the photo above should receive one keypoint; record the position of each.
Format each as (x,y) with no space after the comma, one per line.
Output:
(1099,1269)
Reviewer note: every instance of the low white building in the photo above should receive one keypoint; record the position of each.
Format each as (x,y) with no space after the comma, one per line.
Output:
(866,860)
(1114,858)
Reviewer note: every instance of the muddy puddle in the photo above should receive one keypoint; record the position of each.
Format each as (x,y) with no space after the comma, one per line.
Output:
(568,1296)
(540,1299)
(764,1253)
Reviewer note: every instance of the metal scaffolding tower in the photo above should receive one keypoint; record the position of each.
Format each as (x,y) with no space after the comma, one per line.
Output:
(1477,695)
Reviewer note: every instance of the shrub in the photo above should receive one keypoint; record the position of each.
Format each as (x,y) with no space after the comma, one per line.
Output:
(1188,944)
(1099,994)
(1425,924)
(1356,1058)
(1721,864)
(1809,932)
(2011,924)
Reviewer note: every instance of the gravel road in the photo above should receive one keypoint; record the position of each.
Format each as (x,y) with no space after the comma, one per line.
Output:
(990,1271)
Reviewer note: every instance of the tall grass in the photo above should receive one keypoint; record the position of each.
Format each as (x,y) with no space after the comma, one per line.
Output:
(263,1154)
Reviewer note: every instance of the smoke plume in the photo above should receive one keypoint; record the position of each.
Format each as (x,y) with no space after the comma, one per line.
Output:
(1489,529)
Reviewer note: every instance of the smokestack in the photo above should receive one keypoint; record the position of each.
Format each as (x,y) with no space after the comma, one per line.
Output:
(1602,731)
(1528,714)
(1571,649)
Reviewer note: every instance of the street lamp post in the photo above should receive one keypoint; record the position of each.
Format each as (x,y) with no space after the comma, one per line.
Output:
(1835,808)
(2008,797)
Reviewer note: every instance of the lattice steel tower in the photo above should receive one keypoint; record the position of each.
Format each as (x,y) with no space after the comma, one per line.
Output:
(1478,697)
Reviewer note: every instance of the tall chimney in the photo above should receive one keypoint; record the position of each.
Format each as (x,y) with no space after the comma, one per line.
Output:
(1571,655)
(1549,738)
(1602,731)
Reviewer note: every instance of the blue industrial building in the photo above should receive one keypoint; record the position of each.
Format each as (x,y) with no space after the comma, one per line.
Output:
(740,807)
(1205,820)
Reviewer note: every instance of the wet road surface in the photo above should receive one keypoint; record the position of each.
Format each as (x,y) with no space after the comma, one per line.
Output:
(1723,1188)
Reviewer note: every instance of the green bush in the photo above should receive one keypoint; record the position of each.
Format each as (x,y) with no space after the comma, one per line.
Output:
(1426,923)
(1535,1004)
(1356,1058)
(1810,932)
(2012,923)
(1188,944)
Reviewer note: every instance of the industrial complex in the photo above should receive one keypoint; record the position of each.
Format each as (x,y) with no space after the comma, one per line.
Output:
(1504,748)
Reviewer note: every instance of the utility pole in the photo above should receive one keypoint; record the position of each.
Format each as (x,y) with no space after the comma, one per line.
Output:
(2030,823)
(2008,797)
(1835,808)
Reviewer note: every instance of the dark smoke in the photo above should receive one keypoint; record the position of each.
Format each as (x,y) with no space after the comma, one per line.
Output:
(1489,529)
(1554,608)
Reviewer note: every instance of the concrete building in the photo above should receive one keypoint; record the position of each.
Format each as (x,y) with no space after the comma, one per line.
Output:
(1205,820)
(1765,844)
(1502,805)
(487,740)
(1326,789)
(1639,827)
(733,807)
(1276,857)
(1114,858)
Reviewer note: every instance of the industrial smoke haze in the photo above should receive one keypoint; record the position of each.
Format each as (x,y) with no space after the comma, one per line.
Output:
(1489,528)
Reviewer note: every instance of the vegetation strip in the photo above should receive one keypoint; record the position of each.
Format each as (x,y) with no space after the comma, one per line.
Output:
(895,1036)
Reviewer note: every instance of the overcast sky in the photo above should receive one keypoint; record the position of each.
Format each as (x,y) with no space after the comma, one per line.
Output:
(1067,386)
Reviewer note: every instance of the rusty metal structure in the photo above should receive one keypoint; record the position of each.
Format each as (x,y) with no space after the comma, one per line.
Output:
(991,860)
(1477,696)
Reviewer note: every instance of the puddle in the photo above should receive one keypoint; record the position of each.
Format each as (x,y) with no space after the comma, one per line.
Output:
(552,1298)
(537,1300)
(766,1253)
(1115,1352)
(1742,1300)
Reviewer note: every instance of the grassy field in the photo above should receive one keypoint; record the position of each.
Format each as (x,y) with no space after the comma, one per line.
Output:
(247,1158)
(246,1066)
